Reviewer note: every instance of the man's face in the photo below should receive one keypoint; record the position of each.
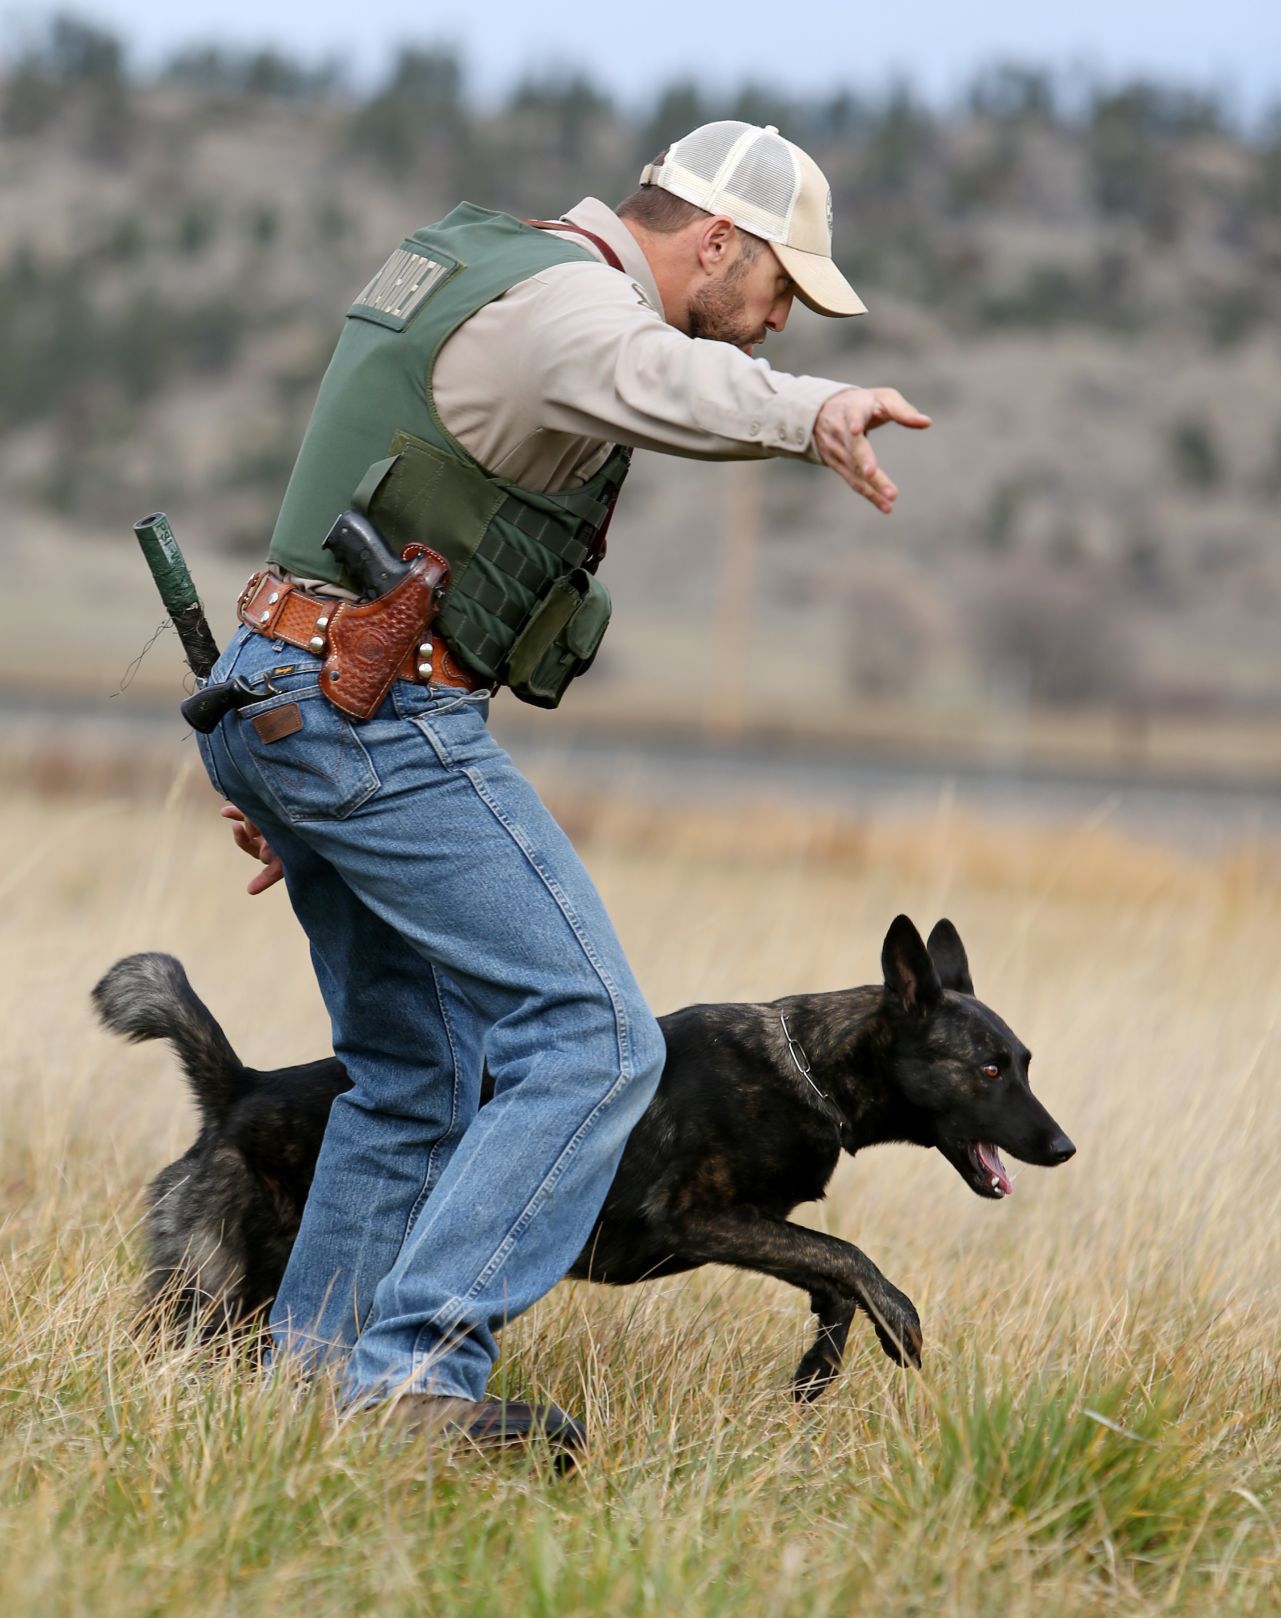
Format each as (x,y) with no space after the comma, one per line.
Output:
(751,295)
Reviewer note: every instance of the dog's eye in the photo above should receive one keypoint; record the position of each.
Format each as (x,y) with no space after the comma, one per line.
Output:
(991,1071)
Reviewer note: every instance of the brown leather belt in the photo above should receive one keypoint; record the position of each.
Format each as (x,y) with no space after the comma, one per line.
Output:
(300,618)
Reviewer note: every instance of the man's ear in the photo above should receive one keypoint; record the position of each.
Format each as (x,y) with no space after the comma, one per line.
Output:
(948,954)
(909,971)
(716,243)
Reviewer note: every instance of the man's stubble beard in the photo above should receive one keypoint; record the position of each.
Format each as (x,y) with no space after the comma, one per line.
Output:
(715,312)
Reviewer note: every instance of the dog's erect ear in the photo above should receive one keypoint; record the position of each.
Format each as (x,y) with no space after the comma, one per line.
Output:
(948,954)
(909,971)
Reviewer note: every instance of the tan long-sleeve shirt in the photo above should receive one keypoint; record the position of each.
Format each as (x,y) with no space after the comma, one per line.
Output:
(540,383)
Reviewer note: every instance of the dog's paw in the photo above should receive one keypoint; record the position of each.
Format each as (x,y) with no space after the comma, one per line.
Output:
(898,1327)
(815,1374)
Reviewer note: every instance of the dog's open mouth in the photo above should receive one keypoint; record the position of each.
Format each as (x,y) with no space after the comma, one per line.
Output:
(990,1178)
(979,1164)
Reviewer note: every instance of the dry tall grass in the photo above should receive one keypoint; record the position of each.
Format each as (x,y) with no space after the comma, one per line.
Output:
(1098,1426)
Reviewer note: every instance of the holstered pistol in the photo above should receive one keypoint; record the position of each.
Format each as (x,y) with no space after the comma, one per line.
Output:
(370,643)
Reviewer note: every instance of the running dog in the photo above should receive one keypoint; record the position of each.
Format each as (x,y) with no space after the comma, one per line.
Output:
(755,1106)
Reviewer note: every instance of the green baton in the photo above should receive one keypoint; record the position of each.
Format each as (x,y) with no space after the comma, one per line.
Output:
(177,592)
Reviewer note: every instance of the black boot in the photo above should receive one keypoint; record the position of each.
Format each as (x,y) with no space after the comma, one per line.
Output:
(493,1424)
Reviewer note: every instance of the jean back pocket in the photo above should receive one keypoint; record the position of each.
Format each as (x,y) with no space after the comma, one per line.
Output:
(308,756)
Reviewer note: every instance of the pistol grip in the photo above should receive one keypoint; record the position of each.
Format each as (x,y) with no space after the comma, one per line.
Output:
(203,709)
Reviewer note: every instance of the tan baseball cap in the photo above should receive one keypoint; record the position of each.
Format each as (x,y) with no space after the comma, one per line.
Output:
(770,188)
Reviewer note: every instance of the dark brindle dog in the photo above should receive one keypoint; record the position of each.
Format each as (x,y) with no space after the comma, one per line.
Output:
(756,1104)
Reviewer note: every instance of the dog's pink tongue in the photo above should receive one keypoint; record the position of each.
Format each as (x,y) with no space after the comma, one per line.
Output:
(991,1161)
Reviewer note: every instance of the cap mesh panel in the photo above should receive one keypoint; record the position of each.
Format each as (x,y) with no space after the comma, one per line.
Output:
(764,177)
(704,151)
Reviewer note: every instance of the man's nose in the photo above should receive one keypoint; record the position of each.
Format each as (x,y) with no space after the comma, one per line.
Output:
(777,317)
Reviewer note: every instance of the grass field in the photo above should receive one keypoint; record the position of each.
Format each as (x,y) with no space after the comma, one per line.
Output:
(1098,1425)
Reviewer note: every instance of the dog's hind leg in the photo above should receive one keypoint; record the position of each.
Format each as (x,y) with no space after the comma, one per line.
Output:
(822,1360)
(199,1211)
(808,1259)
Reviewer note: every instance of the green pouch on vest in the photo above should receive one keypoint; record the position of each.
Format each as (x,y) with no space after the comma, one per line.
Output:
(560,640)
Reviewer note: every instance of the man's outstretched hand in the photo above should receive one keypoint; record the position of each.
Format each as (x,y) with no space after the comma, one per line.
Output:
(253,842)
(840,436)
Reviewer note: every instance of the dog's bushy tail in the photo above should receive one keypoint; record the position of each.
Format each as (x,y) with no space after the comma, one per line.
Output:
(149,997)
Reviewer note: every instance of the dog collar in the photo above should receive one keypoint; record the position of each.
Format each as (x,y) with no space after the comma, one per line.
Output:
(802,1064)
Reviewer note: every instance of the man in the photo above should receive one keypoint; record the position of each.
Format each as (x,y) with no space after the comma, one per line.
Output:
(508,367)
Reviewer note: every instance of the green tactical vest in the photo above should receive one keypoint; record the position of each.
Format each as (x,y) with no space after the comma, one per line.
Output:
(523,607)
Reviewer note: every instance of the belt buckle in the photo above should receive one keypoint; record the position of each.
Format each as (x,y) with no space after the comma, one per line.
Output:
(247,594)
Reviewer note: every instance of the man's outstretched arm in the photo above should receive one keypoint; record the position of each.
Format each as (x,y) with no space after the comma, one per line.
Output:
(585,355)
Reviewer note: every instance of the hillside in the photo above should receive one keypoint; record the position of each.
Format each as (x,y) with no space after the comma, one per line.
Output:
(1084,296)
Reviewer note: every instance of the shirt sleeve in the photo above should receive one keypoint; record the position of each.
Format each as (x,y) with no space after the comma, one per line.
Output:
(586,355)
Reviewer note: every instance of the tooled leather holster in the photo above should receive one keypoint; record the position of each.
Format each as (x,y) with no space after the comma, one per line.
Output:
(369,640)
(366,645)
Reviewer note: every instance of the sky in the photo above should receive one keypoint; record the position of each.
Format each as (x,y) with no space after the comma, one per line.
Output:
(1232,45)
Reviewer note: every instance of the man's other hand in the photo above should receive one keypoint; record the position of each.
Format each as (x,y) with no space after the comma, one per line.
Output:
(248,837)
(840,436)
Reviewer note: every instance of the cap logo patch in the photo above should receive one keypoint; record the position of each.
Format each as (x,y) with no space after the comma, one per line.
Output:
(829,213)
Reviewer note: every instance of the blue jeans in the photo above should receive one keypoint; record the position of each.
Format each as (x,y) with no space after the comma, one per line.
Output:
(451,924)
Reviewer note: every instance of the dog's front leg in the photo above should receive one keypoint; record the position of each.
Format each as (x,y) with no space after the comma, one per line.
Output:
(822,1360)
(820,1265)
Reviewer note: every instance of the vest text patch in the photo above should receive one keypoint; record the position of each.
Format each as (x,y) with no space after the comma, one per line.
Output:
(401,287)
